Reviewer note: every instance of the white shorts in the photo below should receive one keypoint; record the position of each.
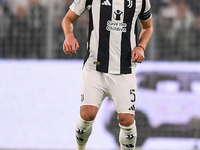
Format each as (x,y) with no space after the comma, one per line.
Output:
(95,86)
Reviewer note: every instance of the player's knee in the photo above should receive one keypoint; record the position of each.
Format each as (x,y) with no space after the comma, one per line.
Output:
(126,119)
(87,117)
(88,113)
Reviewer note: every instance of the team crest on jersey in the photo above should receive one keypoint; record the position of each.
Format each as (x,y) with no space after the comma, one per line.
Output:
(82,97)
(130,3)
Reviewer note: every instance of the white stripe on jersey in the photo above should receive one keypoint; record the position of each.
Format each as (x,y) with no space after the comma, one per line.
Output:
(115,38)
(94,44)
(133,36)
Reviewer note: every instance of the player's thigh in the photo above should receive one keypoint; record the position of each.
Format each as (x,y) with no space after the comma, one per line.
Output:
(123,93)
(92,90)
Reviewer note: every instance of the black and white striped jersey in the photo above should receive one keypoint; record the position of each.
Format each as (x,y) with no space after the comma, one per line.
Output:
(112,32)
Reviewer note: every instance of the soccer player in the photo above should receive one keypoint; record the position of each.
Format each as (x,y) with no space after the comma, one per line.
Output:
(109,65)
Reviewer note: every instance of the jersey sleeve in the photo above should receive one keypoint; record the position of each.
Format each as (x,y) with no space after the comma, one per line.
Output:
(145,13)
(79,6)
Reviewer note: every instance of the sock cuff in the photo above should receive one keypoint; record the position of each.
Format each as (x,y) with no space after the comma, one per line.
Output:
(129,127)
(86,122)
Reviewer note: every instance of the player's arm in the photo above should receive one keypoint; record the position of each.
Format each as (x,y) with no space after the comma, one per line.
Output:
(70,44)
(145,35)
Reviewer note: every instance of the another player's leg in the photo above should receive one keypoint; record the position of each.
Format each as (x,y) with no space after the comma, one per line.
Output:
(84,125)
(128,132)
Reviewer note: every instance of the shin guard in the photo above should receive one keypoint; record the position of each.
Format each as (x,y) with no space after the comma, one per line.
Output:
(83,131)
(127,137)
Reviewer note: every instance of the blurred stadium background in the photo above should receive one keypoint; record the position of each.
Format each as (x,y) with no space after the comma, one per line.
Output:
(31,59)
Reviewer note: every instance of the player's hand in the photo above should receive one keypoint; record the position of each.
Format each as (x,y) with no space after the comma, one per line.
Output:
(138,55)
(70,44)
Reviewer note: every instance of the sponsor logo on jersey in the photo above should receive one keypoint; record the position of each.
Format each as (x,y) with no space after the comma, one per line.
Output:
(106,3)
(116,26)
(118,14)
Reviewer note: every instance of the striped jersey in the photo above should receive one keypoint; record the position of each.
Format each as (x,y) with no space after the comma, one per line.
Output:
(112,32)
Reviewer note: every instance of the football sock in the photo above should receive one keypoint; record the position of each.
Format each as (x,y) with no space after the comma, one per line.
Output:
(128,137)
(83,131)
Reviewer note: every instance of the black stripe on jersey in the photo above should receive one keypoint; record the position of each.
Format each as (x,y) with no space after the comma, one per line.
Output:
(136,32)
(88,2)
(125,43)
(143,6)
(91,27)
(104,36)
